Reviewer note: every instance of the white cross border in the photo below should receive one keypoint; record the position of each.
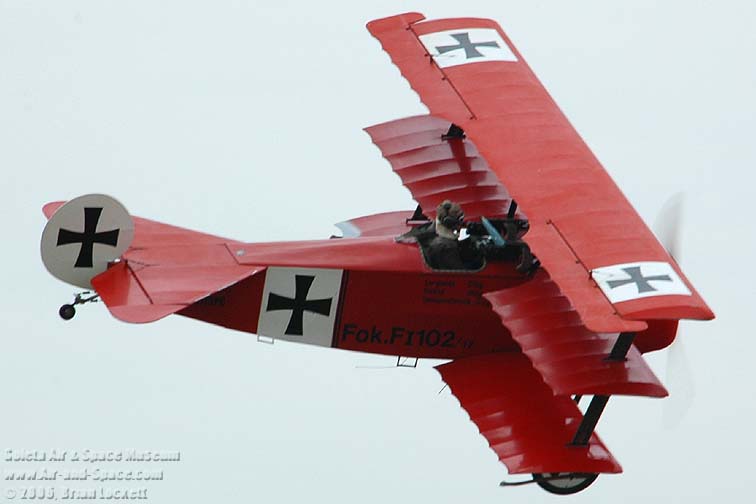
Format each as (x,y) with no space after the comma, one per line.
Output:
(603,275)
(318,329)
(476,35)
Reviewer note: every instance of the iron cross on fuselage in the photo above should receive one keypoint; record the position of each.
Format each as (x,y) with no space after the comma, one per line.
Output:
(638,279)
(88,237)
(471,48)
(299,304)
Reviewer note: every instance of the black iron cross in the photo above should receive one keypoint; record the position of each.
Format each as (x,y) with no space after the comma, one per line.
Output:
(88,238)
(638,279)
(299,304)
(471,48)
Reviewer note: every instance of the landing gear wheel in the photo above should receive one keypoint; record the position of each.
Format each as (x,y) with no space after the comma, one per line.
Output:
(67,312)
(564,483)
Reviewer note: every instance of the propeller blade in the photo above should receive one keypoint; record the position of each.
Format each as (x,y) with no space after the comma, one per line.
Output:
(668,225)
(668,229)
(680,384)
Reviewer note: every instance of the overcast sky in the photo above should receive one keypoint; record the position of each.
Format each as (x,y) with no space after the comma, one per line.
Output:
(244,119)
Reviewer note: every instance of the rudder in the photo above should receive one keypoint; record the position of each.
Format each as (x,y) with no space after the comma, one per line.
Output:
(83,236)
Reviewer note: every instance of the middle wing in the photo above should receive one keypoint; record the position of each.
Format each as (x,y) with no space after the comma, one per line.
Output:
(571,359)
(435,168)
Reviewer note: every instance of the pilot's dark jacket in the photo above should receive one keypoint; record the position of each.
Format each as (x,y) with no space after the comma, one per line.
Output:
(444,254)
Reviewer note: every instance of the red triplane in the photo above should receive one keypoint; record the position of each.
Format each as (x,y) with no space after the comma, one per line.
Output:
(526,341)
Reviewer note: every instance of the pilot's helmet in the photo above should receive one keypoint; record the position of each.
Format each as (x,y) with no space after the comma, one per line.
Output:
(450,214)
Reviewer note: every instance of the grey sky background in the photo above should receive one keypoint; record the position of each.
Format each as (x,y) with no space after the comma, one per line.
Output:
(243,119)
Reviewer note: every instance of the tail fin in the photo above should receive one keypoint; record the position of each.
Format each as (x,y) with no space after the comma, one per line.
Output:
(83,236)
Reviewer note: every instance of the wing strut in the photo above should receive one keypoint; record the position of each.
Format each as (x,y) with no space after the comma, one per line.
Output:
(598,403)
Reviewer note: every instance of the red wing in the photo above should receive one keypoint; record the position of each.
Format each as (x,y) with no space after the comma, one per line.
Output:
(527,426)
(570,358)
(435,169)
(581,223)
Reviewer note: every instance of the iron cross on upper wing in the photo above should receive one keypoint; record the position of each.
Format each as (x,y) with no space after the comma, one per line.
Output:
(636,277)
(464,43)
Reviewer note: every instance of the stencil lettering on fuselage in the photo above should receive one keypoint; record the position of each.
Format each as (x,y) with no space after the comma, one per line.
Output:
(625,282)
(466,45)
(300,304)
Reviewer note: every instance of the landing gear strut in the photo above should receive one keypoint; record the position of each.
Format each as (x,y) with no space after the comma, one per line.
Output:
(67,311)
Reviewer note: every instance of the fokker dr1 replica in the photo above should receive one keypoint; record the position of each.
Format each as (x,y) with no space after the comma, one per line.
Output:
(560,295)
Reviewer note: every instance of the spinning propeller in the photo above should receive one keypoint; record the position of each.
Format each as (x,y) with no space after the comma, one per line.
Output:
(679,378)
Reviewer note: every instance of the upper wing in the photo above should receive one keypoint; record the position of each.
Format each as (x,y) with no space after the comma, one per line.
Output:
(583,229)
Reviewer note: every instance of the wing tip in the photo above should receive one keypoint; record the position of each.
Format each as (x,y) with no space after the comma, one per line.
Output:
(383,24)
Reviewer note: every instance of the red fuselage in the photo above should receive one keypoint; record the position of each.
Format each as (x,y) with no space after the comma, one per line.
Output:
(389,301)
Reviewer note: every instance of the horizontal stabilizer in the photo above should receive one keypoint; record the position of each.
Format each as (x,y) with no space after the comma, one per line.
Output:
(120,291)
(150,233)
(139,294)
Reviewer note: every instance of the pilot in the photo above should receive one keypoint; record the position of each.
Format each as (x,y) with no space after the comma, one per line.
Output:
(444,250)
